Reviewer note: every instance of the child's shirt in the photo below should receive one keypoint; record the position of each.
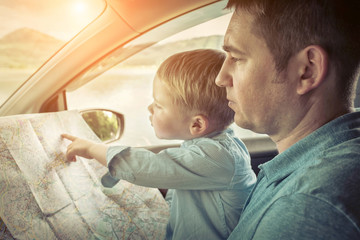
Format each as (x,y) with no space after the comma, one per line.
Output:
(211,177)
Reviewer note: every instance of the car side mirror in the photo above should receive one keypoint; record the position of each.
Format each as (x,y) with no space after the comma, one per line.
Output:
(108,125)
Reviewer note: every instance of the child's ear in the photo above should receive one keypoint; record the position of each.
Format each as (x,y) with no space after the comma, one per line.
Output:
(313,69)
(199,125)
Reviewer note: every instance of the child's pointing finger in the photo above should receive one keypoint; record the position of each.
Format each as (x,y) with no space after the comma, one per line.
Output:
(68,136)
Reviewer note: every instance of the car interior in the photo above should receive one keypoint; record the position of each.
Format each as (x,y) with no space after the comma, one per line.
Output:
(116,55)
(111,38)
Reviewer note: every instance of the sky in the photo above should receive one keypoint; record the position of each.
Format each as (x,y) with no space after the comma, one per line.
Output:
(59,18)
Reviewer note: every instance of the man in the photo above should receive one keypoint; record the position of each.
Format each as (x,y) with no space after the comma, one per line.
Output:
(290,72)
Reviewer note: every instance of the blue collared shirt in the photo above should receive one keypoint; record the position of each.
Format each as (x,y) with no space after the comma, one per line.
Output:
(211,177)
(311,190)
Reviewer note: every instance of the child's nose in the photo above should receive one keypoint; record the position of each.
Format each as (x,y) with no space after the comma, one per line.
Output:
(151,107)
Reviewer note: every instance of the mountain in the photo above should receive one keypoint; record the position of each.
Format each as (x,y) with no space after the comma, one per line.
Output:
(25,35)
(26,48)
(29,48)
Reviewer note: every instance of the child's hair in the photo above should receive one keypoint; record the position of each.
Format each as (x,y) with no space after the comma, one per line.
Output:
(191,78)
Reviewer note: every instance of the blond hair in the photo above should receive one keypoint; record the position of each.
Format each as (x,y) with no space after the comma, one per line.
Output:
(190,77)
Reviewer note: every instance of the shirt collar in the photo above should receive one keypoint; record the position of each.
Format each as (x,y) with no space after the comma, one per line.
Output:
(312,146)
(216,133)
(213,135)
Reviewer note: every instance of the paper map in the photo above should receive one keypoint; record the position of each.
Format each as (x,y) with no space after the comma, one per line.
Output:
(44,197)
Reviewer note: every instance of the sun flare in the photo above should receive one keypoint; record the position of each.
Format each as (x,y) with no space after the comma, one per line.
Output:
(79,7)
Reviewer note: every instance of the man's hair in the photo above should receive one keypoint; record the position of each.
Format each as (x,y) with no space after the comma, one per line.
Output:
(191,76)
(291,25)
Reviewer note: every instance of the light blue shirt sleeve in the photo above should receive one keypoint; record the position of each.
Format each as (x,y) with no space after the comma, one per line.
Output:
(204,165)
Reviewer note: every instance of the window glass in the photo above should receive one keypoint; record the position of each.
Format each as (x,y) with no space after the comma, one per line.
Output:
(32,30)
(127,87)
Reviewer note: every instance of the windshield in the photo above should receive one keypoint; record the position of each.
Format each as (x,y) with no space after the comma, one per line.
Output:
(32,31)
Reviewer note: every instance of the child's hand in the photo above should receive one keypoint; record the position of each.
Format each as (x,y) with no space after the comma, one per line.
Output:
(84,148)
(78,147)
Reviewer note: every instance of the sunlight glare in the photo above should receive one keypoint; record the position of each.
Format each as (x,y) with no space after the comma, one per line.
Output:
(79,7)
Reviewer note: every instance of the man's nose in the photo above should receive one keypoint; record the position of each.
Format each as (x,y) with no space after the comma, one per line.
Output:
(224,78)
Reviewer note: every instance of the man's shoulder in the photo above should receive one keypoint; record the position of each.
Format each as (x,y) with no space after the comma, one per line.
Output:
(331,167)
(339,164)
(332,179)
(303,216)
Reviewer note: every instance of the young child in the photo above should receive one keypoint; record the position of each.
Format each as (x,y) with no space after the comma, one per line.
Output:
(210,172)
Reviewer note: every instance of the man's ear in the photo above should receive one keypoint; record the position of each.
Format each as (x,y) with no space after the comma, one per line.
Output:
(314,67)
(199,124)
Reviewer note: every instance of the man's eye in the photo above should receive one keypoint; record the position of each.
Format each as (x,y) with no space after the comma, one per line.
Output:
(234,59)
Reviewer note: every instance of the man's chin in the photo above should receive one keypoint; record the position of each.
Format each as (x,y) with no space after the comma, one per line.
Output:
(240,122)
(249,126)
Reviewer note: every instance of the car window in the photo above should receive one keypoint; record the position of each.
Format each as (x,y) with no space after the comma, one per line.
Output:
(127,87)
(27,41)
